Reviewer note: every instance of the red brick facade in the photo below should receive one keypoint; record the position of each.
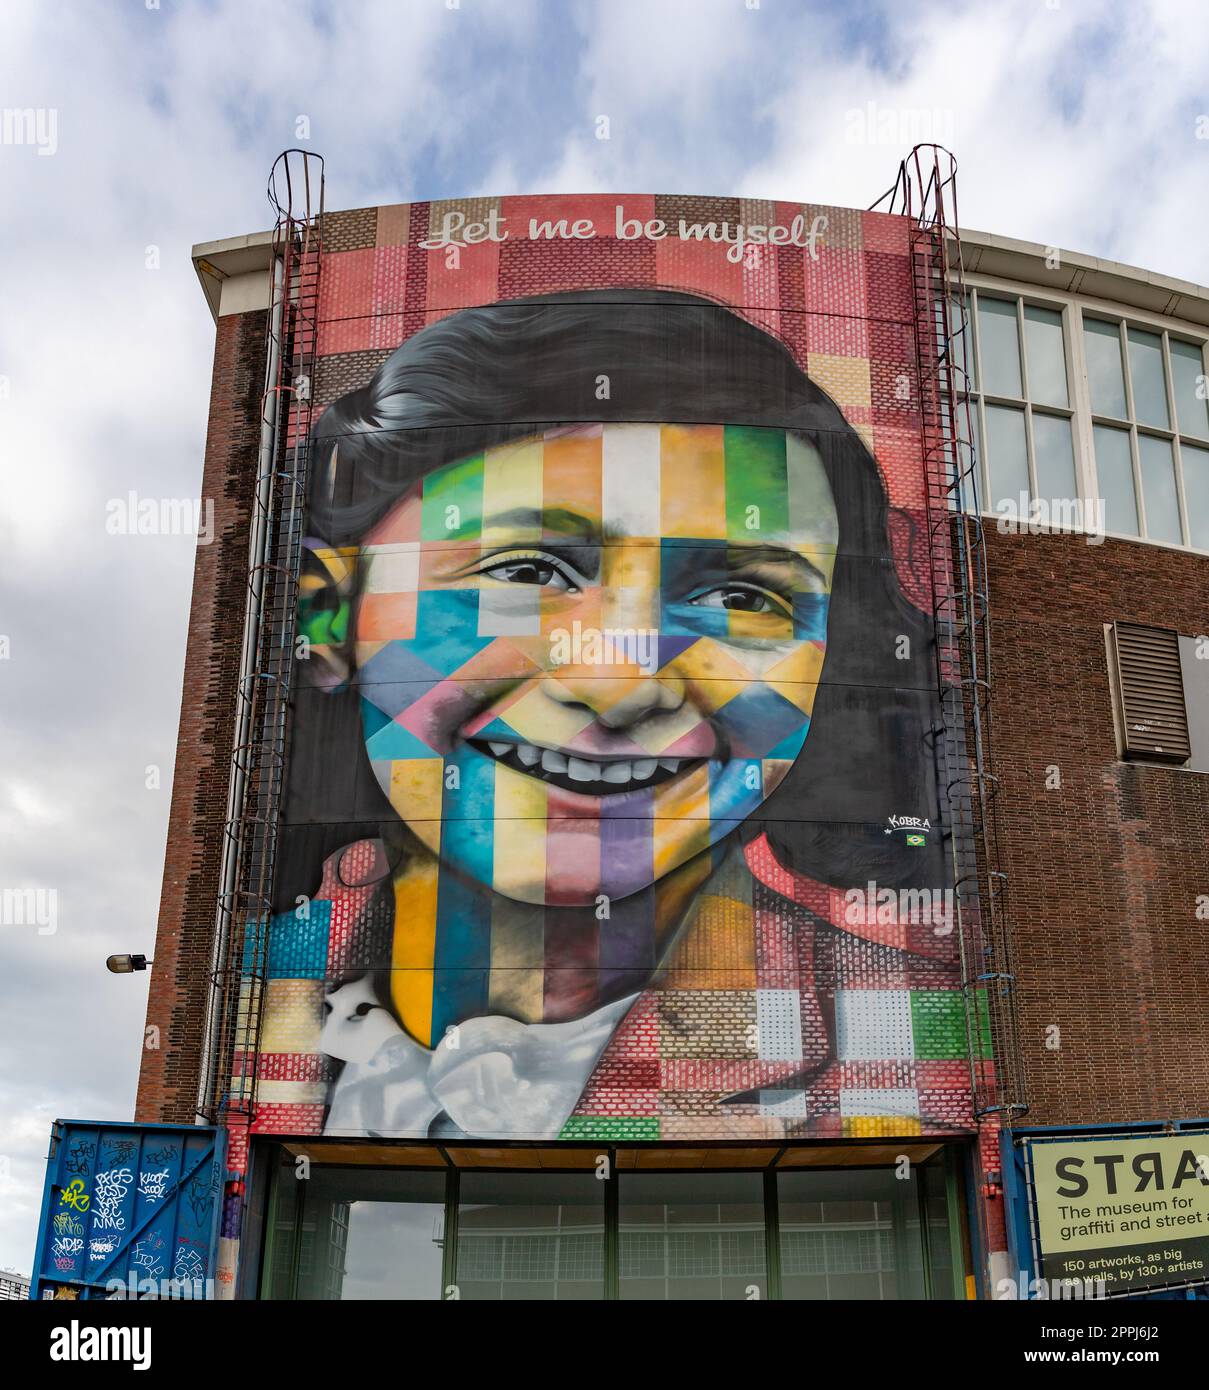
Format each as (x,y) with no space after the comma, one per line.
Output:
(1104,870)
(180,976)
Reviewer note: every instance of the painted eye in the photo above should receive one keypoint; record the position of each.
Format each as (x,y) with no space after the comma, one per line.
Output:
(740,598)
(531,570)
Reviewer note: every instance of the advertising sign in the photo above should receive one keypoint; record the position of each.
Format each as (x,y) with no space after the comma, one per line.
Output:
(1131,1211)
(612,801)
(129,1212)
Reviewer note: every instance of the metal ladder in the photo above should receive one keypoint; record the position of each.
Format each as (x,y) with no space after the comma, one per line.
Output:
(926,191)
(258,759)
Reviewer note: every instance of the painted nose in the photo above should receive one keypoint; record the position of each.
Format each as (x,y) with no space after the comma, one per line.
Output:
(618,702)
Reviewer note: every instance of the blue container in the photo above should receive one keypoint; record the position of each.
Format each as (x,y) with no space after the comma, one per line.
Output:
(130,1211)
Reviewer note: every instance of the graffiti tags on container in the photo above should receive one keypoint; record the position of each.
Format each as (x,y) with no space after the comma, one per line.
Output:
(112,1186)
(145,1256)
(154,1185)
(73,1195)
(199,1198)
(80,1158)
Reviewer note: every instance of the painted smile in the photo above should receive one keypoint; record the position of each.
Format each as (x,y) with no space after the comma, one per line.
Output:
(590,776)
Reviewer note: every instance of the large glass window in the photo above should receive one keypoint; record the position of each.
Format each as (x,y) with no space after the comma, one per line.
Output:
(613,1231)
(1191,389)
(530,1235)
(850,1234)
(692,1236)
(1021,404)
(1196,490)
(355,1233)
(1143,451)
(1114,468)
(1151,387)
(1046,356)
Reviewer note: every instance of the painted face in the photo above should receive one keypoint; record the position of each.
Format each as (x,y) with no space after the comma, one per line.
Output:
(587,656)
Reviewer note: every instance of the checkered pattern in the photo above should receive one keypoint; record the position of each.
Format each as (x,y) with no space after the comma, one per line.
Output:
(847,316)
(769,1021)
(774,1016)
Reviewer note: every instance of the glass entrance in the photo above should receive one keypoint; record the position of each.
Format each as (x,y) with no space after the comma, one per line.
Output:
(798,1232)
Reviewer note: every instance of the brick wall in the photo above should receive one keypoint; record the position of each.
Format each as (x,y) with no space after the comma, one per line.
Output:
(180,976)
(1104,870)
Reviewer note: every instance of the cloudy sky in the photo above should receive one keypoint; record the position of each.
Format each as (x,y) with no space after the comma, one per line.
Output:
(1075,123)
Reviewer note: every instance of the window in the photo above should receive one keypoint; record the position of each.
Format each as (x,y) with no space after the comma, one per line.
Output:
(1148,407)
(1021,402)
(355,1234)
(530,1236)
(614,1230)
(850,1234)
(692,1235)
(1073,408)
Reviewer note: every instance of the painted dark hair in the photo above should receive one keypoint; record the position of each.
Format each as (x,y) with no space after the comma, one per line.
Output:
(483,376)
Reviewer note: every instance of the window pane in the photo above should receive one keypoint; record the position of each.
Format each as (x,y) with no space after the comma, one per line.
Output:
(1196,493)
(1102,346)
(1000,350)
(530,1235)
(1188,377)
(1146,373)
(1007,460)
(965,460)
(1054,458)
(849,1234)
(1046,356)
(963,342)
(1158,489)
(1114,475)
(691,1235)
(352,1234)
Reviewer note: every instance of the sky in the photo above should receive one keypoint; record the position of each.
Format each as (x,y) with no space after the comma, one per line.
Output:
(1076,123)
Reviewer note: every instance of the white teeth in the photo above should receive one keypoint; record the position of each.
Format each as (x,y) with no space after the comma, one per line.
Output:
(616,773)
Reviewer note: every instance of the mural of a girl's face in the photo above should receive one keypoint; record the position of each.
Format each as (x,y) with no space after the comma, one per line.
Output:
(585,657)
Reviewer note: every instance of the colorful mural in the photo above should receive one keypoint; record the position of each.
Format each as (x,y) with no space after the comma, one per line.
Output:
(612,806)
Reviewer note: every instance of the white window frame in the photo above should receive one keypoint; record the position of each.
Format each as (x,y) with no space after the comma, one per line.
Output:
(1073,308)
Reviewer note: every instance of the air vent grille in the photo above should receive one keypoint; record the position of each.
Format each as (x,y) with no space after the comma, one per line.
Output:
(1151,685)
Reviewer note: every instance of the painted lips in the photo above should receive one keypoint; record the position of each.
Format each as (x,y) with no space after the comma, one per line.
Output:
(591,776)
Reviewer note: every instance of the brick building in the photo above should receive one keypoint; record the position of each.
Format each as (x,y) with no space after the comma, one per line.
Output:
(796,1097)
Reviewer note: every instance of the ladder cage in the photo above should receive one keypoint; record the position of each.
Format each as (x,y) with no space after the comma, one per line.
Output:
(259,754)
(925,191)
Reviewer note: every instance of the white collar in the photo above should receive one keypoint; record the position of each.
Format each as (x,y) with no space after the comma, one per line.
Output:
(494,1077)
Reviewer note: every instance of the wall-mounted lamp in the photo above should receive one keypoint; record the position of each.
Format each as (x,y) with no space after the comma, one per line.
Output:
(123,965)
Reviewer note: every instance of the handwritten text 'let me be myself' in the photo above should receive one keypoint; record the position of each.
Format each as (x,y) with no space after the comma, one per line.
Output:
(457,231)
